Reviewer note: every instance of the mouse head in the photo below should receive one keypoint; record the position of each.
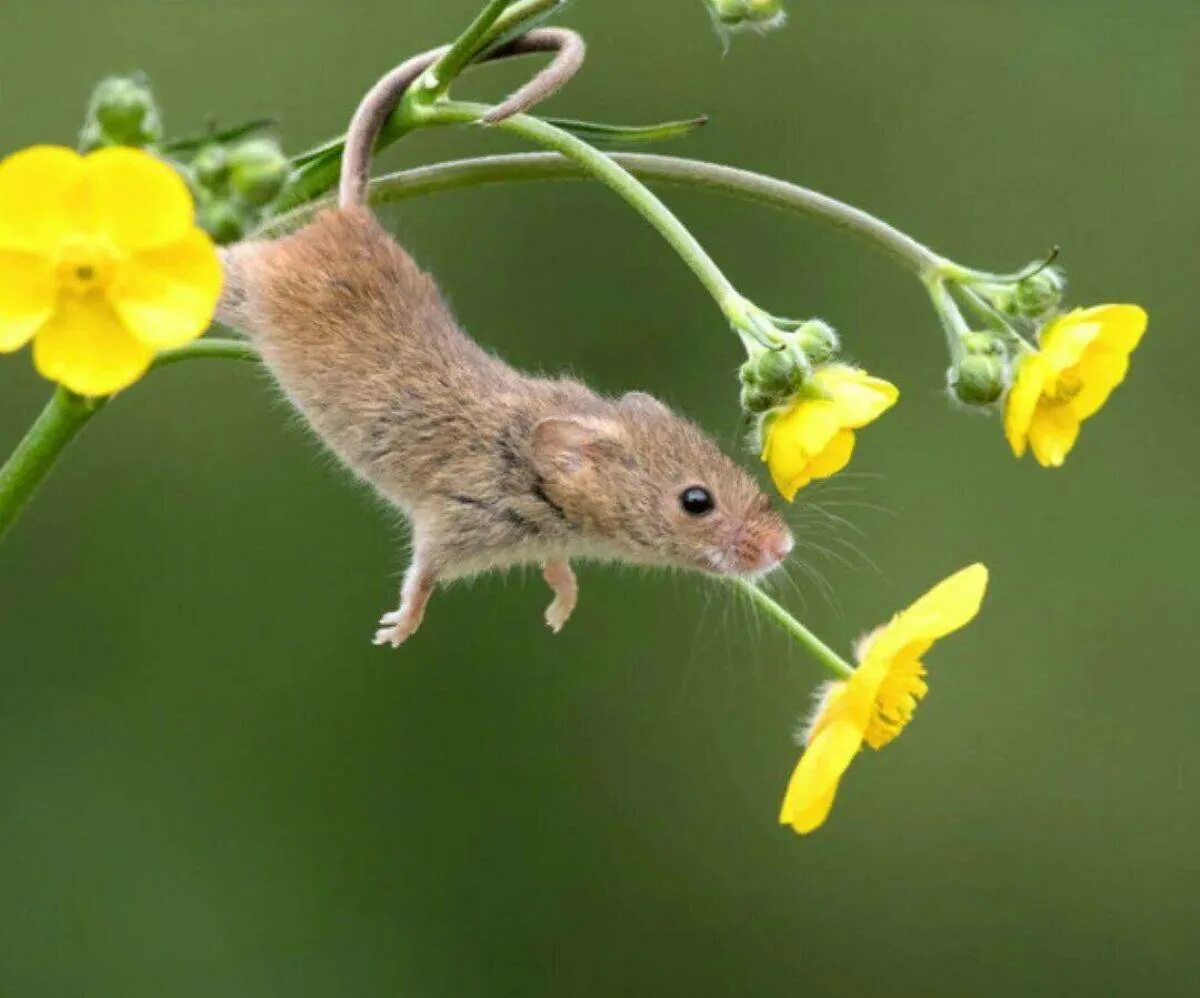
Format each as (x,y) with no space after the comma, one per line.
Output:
(639,481)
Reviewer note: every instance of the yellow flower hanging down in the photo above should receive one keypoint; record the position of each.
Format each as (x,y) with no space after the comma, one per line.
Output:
(101,264)
(1083,356)
(879,699)
(814,436)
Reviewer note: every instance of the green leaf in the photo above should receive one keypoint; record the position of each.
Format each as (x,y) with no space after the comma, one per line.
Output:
(193,142)
(608,136)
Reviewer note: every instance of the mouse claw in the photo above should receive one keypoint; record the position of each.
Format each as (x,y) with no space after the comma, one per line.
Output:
(393,635)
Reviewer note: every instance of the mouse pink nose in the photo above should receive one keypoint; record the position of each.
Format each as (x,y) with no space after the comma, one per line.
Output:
(778,548)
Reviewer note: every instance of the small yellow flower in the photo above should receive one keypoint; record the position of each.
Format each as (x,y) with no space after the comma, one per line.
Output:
(1083,356)
(101,264)
(814,436)
(879,699)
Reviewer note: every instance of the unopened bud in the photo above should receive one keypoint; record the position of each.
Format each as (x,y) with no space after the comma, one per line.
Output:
(760,15)
(121,112)
(818,341)
(757,400)
(224,220)
(258,169)
(984,343)
(1040,293)
(210,167)
(979,378)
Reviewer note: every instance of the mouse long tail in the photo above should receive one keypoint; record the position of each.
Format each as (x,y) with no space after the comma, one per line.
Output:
(382,98)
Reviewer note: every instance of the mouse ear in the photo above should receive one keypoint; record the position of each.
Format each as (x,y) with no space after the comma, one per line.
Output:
(643,402)
(566,443)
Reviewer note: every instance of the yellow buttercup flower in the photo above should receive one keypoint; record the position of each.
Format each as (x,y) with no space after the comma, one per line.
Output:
(814,436)
(879,699)
(1083,356)
(101,264)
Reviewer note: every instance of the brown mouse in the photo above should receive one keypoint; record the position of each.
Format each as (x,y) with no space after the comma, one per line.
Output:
(493,467)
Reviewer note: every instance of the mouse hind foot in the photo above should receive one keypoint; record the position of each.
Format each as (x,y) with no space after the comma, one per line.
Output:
(399,625)
(561,580)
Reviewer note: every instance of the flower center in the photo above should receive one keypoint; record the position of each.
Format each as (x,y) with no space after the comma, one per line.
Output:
(85,264)
(1068,384)
(896,701)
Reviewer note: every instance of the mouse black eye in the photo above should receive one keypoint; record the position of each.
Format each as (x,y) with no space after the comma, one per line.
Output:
(696,501)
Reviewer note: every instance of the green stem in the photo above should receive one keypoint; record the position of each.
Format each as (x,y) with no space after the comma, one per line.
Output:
(519,18)
(59,423)
(953,324)
(609,172)
(817,648)
(437,79)
(726,180)
(208,348)
(67,413)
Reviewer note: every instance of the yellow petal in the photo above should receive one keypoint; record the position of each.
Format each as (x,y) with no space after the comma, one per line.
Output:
(1053,433)
(1064,341)
(27,297)
(947,607)
(814,782)
(1022,402)
(166,297)
(792,438)
(1100,371)
(1121,326)
(859,398)
(42,200)
(834,457)
(137,200)
(85,348)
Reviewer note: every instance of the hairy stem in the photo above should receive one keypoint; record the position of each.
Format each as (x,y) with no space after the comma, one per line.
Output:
(817,648)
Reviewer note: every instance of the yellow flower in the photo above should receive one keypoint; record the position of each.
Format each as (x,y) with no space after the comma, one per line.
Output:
(879,699)
(1084,355)
(814,436)
(101,264)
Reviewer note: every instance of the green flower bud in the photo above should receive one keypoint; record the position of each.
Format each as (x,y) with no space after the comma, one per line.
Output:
(760,15)
(210,167)
(121,112)
(225,220)
(1040,294)
(818,341)
(979,378)
(776,370)
(984,343)
(258,169)
(757,400)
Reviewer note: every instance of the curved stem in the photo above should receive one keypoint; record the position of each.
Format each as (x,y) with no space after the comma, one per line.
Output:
(59,423)
(67,413)
(812,644)
(756,187)
(208,348)
(609,172)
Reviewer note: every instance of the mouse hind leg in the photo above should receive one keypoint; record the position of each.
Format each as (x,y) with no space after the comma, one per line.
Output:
(399,625)
(561,580)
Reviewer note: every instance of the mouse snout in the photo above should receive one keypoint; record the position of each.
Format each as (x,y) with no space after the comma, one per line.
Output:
(760,547)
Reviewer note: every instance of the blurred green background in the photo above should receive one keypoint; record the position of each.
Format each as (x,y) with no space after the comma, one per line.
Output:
(214,785)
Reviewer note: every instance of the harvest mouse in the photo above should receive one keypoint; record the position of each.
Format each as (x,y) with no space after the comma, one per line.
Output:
(492,467)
